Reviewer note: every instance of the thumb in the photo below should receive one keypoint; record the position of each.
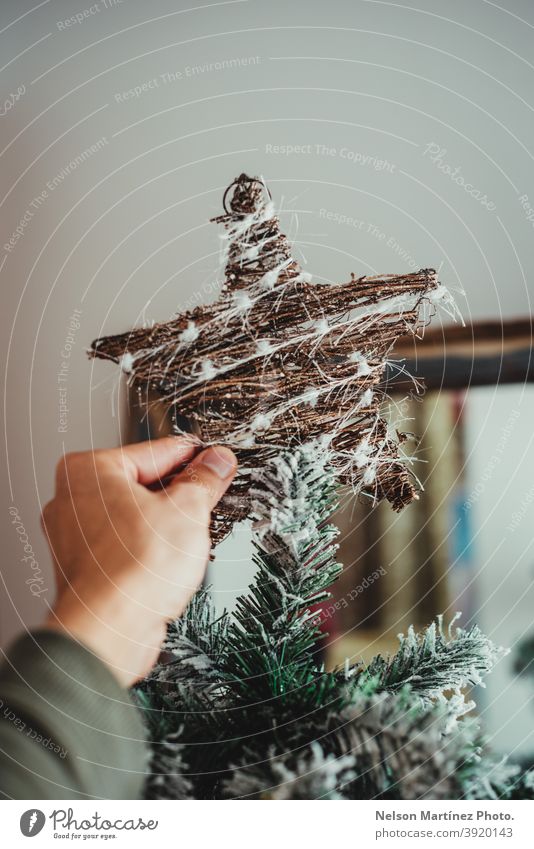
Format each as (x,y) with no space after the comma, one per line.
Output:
(201,484)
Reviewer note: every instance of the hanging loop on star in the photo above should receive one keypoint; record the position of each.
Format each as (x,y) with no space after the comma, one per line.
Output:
(248,195)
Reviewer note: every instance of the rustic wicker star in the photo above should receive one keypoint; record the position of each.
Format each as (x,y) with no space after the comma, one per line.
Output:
(279,360)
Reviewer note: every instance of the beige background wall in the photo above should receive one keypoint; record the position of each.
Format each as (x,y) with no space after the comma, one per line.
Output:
(358,113)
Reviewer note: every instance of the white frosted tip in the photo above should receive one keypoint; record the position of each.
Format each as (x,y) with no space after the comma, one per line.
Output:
(126,362)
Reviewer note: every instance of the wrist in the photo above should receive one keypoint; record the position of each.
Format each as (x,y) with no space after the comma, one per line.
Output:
(128,645)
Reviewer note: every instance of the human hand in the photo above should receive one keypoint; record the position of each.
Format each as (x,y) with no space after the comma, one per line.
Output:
(129,558)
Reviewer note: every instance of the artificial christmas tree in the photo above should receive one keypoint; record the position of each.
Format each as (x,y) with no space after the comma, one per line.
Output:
(242,709)
(288,373)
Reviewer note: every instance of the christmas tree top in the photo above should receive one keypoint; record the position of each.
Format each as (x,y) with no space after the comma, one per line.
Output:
(279,359)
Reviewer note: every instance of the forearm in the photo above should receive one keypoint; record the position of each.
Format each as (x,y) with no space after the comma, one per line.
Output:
(68,730)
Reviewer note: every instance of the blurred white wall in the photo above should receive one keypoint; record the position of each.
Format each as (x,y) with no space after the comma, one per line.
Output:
(500,488)
(392,137)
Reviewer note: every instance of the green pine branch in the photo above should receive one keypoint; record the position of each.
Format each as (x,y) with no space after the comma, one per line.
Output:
(436,661)
(196,643)
(274,628)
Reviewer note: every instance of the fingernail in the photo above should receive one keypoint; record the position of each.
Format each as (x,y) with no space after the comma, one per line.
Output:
(221,461)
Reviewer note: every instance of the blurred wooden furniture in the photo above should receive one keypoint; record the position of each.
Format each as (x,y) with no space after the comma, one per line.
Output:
(485,353)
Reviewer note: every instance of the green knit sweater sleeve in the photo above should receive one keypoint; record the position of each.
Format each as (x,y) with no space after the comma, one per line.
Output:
(67,728)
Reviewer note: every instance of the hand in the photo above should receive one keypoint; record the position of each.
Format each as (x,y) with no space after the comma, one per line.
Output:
(129,558)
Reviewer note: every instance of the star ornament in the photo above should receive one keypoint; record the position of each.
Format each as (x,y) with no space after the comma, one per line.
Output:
(279,360)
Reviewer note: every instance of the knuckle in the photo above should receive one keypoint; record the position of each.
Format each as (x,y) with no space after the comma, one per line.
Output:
(60,471)
(99,456)
(46,513)
(70,463)
(196,502)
